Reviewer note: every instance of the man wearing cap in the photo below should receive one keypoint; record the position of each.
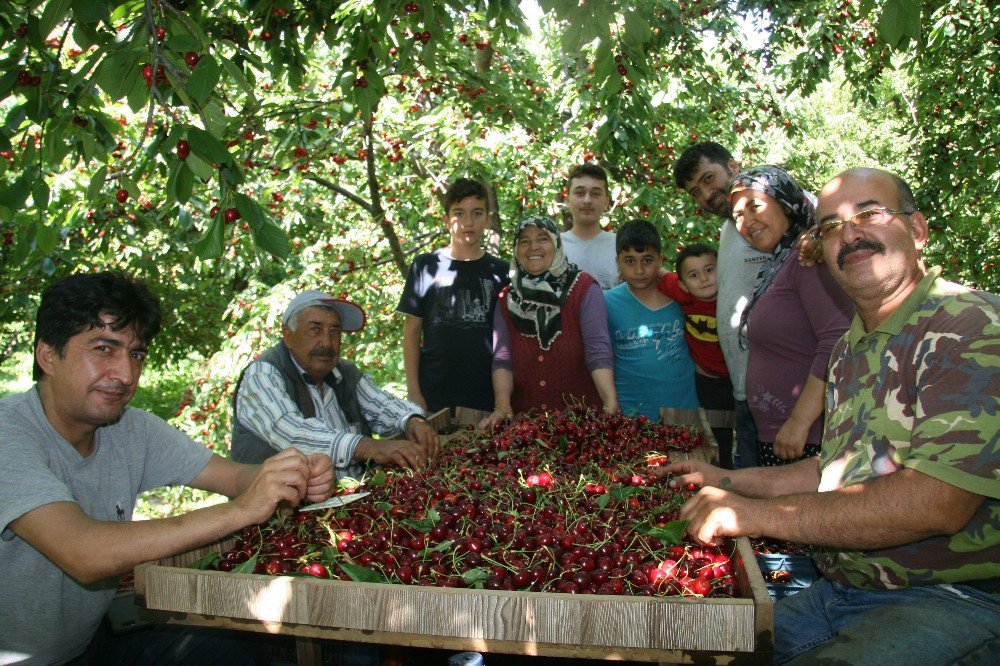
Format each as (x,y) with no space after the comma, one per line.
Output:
(301,394)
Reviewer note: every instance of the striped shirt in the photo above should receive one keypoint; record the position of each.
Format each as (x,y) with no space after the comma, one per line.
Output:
(266,408)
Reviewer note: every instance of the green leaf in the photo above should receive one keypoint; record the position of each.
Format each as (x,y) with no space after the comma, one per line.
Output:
(206,562)
(475,577)
(328,554)
(670,533)
(425,524)
(270,238)
(360,574)
(55,12)
(14,196)
(637,30)
(203,79)
(899,18)
(603,500)
(184,184)
(443,546)
(90,11)
(207,147)
(248,566)
(378,480)
(97,183)
(237,75)
(46,238)
(384,506)
(40,194)
(182,43)
(211,244)
(213,118)
(200,168)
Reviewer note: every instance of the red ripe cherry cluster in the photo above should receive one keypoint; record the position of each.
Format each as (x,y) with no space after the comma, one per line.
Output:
(558,502)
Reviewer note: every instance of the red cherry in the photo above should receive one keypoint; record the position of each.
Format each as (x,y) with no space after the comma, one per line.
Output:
(215,211)
(122,196)
(160,34)
(191,58)
(183,149)
(232,215)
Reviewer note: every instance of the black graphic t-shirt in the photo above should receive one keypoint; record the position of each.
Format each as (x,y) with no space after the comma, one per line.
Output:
(455,299)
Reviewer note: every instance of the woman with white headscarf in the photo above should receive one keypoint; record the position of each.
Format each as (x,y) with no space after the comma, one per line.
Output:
(551,345)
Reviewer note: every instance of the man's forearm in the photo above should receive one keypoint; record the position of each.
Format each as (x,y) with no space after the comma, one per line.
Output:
(765,482)
(891,510)
(91,550)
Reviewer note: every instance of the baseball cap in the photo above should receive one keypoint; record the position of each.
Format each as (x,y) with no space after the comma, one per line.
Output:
(352,317)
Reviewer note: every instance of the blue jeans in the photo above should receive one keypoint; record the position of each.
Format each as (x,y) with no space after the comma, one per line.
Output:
(746,437)
(829,623)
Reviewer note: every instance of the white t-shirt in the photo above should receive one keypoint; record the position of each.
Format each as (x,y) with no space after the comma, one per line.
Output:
(737,269)
(595,256)
(49,617)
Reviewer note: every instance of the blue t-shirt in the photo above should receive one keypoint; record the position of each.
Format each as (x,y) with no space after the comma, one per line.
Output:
(653,368)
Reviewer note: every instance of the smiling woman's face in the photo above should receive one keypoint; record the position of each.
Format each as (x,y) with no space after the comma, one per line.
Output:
(535,250)
(759,219)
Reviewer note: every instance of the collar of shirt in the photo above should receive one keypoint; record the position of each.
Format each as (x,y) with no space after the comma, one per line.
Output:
(894,323)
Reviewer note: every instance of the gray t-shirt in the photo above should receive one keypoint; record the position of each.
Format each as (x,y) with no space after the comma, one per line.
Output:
(737,271)
(596,256)
(49,617)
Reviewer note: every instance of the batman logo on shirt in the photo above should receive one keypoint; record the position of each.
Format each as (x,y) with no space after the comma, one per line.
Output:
(702,327)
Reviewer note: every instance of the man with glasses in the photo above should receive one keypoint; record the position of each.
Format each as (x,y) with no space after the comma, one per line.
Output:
(903,506)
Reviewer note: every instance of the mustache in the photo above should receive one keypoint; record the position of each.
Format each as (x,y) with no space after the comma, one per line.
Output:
(323,352)
(863,244)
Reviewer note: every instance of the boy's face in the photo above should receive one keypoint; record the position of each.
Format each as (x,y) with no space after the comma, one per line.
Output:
(588,200)
(698,277)
(467,220)
(640,269)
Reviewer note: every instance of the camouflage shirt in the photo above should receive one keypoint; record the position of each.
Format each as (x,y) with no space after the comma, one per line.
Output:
(919,392)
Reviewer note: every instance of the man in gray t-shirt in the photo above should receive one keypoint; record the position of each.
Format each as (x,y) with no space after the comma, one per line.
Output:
(75,458)
(704,171)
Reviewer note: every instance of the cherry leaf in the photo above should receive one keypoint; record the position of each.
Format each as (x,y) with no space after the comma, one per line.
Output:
(206,562)
(360,574)
(247,567)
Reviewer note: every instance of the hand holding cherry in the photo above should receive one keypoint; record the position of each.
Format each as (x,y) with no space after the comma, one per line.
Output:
(285,477)
(321,477)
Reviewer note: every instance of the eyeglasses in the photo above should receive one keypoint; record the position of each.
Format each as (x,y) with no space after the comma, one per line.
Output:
(879,216)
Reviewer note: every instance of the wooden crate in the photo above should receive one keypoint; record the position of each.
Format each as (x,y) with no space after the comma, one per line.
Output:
(697,418)
(662,629)
(676,630)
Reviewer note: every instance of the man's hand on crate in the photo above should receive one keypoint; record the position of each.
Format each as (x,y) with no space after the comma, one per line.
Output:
(714,514)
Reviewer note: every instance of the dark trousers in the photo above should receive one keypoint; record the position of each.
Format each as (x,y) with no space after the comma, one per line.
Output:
(717,393)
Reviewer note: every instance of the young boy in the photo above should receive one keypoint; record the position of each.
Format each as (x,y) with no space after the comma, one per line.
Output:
(694,288)
(448,302)
(653,368)
(587,245)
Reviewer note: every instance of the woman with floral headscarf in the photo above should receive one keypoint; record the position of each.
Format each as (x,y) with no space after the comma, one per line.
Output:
(793,319)
(550,331)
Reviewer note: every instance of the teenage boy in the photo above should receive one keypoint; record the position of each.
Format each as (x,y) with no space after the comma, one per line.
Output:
(704,171)
(448,303)
(693,286)
(587,245)
(653,368)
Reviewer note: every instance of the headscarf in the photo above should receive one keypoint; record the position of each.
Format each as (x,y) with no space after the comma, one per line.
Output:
(534,301)
(798,207)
